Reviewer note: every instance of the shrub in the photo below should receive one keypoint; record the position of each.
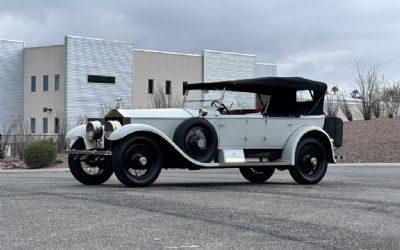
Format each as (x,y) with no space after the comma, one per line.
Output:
(38,154)
(2,153)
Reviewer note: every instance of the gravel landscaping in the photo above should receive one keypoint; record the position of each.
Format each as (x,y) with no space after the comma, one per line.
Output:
(376,140)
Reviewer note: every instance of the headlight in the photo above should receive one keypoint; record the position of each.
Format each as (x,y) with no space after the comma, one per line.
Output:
(94,130)
(109,127)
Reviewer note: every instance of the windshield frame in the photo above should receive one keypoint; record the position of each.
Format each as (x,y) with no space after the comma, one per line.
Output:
(185,100)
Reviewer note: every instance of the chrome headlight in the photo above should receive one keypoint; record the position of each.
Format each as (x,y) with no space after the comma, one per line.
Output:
(94,130)
(109,127)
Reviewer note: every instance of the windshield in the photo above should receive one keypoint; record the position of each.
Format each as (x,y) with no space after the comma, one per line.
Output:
(199,98)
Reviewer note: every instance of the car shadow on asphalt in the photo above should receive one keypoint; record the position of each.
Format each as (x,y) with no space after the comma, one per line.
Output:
(198,185)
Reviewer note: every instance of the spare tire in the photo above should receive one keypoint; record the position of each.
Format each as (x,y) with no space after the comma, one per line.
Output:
(197,138)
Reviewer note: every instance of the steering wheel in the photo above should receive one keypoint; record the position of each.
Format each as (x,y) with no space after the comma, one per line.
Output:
(220,107)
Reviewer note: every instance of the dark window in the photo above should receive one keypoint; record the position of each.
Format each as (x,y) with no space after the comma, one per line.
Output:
(45,83)
(183,87)
(33,125)
(56,125)
(33,83)
(101,79)
(56,82)
(150,86)
(45,125)
(168,87)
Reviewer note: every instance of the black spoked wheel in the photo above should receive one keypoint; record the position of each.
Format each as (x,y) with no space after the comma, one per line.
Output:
(197,138)
(196,142)
(89,169)
(137,161)
(257,174)
(311,162)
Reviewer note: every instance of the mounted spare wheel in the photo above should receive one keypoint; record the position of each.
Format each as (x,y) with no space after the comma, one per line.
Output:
(197,138)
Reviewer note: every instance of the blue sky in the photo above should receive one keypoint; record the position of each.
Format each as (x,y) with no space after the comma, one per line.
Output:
(317,39)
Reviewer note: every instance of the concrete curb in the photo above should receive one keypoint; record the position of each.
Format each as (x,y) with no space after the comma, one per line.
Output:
(369,164)
(34,170)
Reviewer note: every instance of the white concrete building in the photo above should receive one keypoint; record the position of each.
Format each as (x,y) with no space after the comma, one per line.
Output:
(45,85)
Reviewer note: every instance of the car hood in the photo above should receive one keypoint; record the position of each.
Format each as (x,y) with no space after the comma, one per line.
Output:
(154,113)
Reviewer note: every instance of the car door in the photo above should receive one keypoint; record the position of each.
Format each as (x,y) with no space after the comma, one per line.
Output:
(256,128)
(278,131)
(232,131)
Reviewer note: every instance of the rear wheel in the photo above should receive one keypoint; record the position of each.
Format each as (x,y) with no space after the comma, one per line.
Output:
(311,162)
(89,169)
(137,161)
(257,174)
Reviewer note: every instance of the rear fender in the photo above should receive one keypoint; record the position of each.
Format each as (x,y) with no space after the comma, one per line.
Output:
(289,151)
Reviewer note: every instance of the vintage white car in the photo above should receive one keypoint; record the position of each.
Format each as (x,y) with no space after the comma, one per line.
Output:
(257,125)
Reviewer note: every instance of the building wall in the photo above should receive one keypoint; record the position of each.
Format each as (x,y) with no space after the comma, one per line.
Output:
(40,104)
(11,82)
(162,67)
(219,66)
(80,57)
(265,69)
(87,56)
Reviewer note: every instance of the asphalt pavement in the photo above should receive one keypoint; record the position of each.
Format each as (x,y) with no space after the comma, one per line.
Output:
(352,208)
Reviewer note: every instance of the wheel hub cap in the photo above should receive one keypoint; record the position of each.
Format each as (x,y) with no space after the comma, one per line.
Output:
(142,161)
(201,143)
(314,161)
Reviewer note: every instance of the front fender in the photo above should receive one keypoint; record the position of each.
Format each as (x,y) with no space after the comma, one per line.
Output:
(128,129)
(289,151)
(80,132)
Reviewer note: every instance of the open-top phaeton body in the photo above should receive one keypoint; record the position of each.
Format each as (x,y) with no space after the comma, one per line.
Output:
(284,128)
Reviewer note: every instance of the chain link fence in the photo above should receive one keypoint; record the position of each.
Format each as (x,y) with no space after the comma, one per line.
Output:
(13,145)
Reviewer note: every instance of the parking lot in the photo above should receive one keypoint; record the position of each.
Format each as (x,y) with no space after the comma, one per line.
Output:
(352,208)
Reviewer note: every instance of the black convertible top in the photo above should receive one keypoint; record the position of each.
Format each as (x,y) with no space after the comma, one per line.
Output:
(283,92)
(263,85)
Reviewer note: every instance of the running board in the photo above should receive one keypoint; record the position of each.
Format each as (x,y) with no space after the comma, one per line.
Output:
(247,164)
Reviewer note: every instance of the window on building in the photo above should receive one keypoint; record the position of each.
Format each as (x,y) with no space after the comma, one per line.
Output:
(56,125)
(33,125)
(183,87)
(101,79)
(167,87)
(56,82)
(45,125)
(45,83)
(150,86)
(33,83)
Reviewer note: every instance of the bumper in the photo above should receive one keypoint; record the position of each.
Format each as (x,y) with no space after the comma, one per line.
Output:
(89,152)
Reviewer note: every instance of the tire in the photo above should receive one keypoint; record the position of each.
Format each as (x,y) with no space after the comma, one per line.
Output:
(87,169)
(311,161)
(137,161)
(197,138)
(257,174)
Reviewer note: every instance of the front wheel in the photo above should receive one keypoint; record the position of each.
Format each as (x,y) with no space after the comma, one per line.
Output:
(137,161)
(89,169)
(311,162)
(257,174)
